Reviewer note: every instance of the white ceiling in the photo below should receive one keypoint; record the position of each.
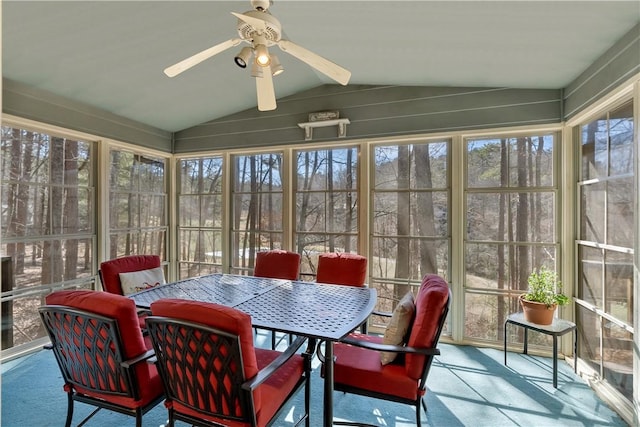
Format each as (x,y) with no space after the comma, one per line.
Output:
(111,54)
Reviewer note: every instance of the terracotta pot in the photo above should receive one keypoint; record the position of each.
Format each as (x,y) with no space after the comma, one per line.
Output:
(537,312)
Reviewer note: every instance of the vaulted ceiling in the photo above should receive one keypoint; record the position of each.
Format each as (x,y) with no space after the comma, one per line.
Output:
(111,54)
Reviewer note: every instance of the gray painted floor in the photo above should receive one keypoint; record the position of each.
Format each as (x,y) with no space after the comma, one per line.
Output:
(468,386)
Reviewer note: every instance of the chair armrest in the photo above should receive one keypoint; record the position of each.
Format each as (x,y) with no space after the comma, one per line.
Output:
(141,310)
(272,367)
(381,313)
(391,348)
(141,358)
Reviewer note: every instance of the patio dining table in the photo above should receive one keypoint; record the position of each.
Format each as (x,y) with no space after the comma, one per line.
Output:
(315,310)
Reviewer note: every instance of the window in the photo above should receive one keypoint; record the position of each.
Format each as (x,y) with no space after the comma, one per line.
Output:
(510,221)
(137,204)
(200,216)
(257,208)
(411,229)
(48,231)
(605,247)
(326,204)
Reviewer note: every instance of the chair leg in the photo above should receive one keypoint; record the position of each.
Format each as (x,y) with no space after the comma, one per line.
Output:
(69,410)
(95,411)
(418,408)
(364,328)
(275,342)
(308,355)
(307,399)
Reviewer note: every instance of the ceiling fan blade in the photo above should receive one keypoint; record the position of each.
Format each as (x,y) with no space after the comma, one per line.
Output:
(266,92)
(330,69)
(191,61)
(257,23)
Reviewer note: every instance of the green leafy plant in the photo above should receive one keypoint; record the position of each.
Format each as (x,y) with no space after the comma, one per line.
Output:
(545,288)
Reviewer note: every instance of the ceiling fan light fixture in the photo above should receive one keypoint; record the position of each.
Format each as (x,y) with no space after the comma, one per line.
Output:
(262,56)
(256,70)
(242,58)
(276,66)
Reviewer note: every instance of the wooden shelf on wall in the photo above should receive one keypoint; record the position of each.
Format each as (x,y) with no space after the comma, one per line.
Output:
(309,126)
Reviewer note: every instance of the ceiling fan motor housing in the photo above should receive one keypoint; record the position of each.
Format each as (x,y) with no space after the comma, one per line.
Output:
(272,32)
(261,4)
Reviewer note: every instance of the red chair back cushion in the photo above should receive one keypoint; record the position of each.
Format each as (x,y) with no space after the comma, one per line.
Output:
(110,270)
(117,307)
(217,316)
(342,269)
(430,303)
(277,264)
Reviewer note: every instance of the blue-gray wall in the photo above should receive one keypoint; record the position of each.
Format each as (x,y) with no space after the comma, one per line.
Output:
(35,104)
(376,111)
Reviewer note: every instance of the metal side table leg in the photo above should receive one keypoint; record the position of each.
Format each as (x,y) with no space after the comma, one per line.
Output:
(505,342)
(555,361)
(575,350)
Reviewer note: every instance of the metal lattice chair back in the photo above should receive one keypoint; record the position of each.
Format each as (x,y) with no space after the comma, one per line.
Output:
(201,368)
(88,350)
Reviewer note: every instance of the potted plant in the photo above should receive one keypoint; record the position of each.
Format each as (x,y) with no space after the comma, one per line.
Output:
(543,296)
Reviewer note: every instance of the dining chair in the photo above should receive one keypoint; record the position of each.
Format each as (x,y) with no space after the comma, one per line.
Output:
(341,268)
(277,264)
(101,353)
(125,275)
(359,367)
(212,373)
(110,271)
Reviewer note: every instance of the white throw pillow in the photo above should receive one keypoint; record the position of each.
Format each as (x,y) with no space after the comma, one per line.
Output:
(398,326)
(137,281)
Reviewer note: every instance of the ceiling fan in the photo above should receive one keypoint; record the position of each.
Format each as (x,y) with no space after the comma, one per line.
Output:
(261,30)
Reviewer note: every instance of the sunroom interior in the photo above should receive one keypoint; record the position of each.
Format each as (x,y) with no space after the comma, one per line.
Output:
(495,138)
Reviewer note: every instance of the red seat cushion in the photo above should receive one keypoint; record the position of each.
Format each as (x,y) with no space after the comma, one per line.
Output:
(277,264)
(342,269)
(124,311)
(141,320)
(277,388)
(430,301)
(110,270)
(279,385)
(361,368)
